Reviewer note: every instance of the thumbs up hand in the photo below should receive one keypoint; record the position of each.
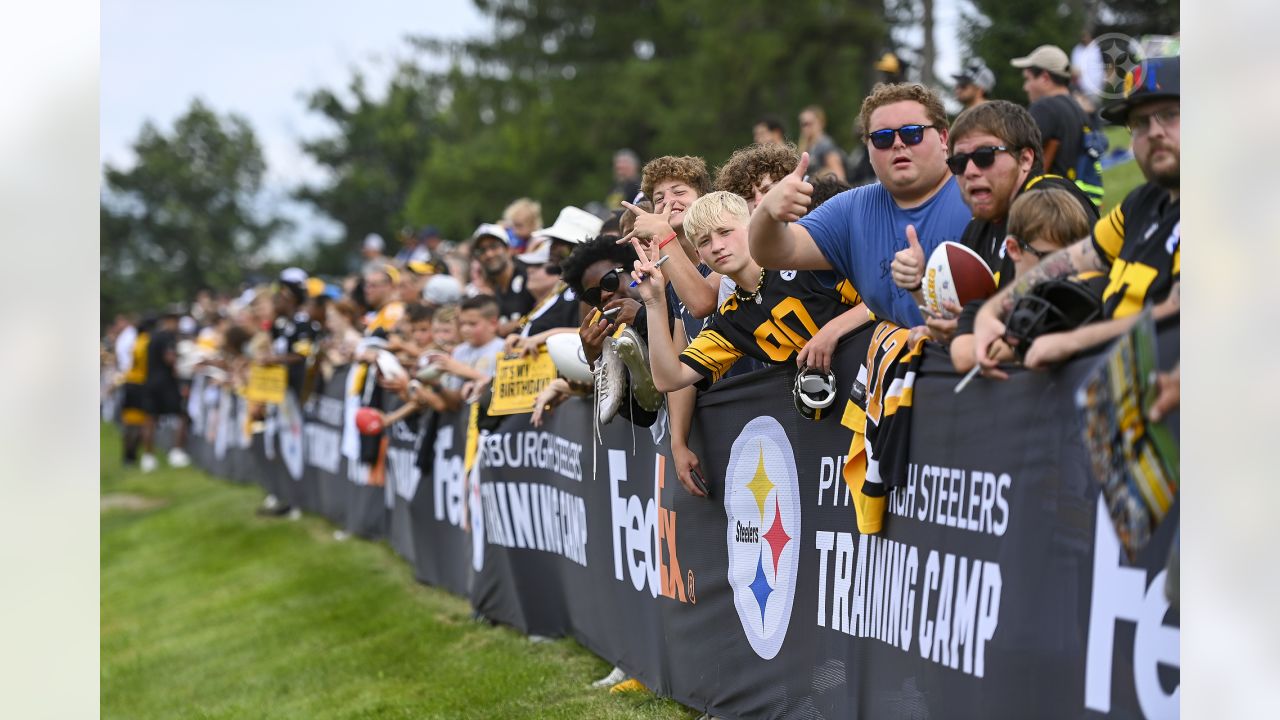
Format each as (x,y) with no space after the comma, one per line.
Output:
(789,198)
(908,263)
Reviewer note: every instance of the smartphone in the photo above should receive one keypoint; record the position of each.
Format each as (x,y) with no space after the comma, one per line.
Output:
(700,481)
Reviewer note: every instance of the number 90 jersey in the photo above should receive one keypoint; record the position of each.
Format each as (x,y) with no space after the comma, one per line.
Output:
(1141,239)
(789,308)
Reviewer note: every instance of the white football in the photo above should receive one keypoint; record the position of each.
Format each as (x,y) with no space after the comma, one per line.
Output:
(570,359)
(955,274)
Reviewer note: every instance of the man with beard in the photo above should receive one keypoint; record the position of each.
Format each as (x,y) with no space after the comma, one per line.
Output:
(489,246)
(1137,243)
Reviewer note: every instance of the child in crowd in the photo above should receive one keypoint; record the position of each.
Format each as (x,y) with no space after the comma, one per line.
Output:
(1041,222)
(472,361)
(770,316)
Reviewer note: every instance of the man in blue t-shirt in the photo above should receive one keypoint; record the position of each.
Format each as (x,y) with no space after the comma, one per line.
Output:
(858,232)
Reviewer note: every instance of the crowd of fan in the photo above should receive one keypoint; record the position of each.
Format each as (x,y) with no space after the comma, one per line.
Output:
(685,278)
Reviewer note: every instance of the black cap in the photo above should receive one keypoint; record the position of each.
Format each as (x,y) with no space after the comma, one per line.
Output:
(1153,79)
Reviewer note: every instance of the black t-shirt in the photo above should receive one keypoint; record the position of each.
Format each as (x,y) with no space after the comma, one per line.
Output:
(1061,119)
(561,312)
(514,300)
(986,237)
(159,370)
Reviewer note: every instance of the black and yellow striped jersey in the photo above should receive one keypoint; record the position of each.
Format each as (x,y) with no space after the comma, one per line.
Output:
(772,325)
(1141,239)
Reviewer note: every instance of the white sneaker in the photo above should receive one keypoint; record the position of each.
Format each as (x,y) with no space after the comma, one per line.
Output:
(295,513)
(614,677)
(270,502)
(341,535)
(608,383)
(148,463)
(179,458)
(630,348)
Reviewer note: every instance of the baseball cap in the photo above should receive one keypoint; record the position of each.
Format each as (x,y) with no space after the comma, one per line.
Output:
(572,225)
(373,241)
(1046,57)
(442,290)
(293,276)
(492,230)
(1153,79)
(976,73)
(539,255)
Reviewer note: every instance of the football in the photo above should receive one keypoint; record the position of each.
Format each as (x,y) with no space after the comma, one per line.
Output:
(368,421)
(955,273)
(571,362)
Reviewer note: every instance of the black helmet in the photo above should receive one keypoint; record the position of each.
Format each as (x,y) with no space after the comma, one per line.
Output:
(814,391)
(1052,306)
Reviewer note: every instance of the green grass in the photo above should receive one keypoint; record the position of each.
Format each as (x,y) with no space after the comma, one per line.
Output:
(208,611)
(1117,181)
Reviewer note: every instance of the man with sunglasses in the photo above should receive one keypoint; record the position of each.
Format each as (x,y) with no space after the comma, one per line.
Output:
(858,232)
(995,157)
(1138,243)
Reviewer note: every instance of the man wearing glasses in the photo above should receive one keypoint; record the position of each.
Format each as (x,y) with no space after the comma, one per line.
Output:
(857,232)
(1138,243)
(995,157)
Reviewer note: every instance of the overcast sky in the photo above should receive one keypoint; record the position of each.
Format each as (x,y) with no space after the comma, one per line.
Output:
(258,57)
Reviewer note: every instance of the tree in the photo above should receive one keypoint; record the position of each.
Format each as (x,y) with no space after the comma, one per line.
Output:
(538,107)
(1000,30)
(185,216)
(372,156)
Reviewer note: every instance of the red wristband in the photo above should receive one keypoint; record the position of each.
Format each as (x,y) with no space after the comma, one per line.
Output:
(663,244)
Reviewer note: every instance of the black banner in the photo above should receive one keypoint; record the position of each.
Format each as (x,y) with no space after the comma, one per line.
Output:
(997,589)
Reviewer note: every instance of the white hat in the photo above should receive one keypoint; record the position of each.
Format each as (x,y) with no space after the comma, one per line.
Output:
(539,255)
(574,225)
(373,241)
(492,230)
(293,276)
(442,290)
(1046,57)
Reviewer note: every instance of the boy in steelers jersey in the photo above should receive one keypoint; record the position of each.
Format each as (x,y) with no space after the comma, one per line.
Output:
(1138,243)
(771,316)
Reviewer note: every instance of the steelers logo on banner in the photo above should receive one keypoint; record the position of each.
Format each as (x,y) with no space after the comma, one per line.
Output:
(290,431)
(762,501)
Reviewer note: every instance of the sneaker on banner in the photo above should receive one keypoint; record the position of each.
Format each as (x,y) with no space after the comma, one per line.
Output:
(148,463)
(614,677)
(608,383)
(179,458)
(631,349)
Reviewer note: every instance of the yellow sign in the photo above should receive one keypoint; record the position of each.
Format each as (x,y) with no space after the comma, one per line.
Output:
(517,382)
(267,384)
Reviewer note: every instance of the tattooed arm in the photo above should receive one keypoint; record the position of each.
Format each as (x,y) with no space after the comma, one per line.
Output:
(989,324)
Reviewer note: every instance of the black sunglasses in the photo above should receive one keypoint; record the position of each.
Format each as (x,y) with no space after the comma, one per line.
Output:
(1037,254)
(910,134)
(983,157)
(608,283)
